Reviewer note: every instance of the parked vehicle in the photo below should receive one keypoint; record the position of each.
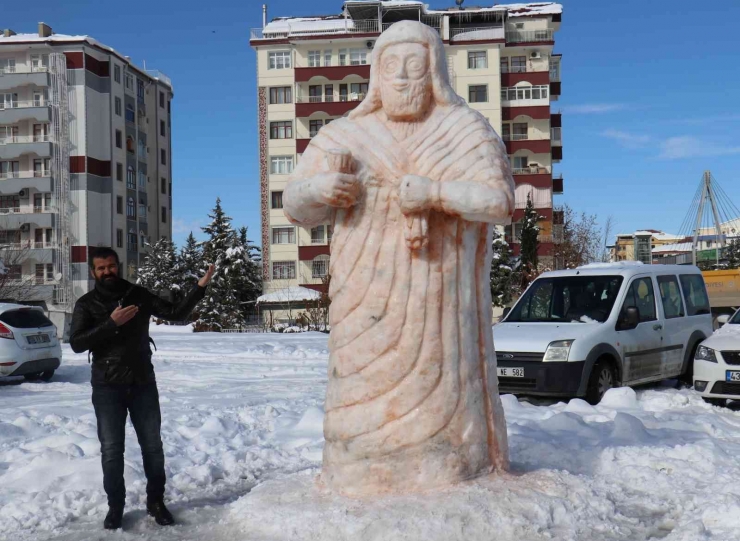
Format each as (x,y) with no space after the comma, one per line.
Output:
(28,343)
(583,331)
(717,363)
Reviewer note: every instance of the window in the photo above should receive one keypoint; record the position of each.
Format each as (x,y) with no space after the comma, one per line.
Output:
(520,162)
(162,156)
(314,59)
(342,57)
(130,114)
(131,208)
(118,108)
(506,132)
(357,57)
(281,130)
(477,93)
(317,235)
(142,149)
(281,94)
(119,238)
(140,89)
(40,98)
(283,235)
(641,296)
(358,91)
(695,293)
(526,92)
(129,81)
(504,65)
(277,200)
(164,215)
(520,132)
(670,295)
(314,126)
(281,165)
(320,266)
(130,178)
(119,139)
(329,231)
(142,208)
(278,60)
(119,171)
(133,241)
(518,64)
(39,62)
(39,273)
(314,93)
(161,99)
(477,60)
(328,93)
(142,180)
(119,205)
(41,167)
(117,73)
(283,270)
(343,93)
(163,186)
(162,129)
(130,145)
(15,272)
(327,57)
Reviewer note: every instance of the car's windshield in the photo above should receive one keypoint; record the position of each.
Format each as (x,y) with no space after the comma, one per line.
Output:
(577,299)
(736,318)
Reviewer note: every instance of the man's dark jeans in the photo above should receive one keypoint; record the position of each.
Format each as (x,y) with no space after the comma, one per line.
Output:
(112,403)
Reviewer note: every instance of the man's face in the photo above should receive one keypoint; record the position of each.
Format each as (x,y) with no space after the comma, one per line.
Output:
(105,271)
(406,88)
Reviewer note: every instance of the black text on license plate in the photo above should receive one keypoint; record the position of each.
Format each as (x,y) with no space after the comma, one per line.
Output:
(733,375)
(507,372)
(38,339)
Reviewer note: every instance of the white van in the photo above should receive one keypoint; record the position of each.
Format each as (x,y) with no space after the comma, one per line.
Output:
(580,332)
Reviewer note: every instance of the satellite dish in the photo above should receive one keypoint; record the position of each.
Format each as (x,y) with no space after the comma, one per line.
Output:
(459,3)
(58,277)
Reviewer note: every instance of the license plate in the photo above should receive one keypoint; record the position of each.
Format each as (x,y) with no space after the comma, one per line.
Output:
(732,375)
(506,372)
(38,339)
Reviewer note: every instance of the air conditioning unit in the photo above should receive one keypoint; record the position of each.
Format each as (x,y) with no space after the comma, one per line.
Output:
(535,54)
(23,193)
(25,228)
(370,44)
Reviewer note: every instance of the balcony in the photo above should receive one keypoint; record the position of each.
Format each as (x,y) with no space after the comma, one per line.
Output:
(16,77)
(516,141)
(557,185)
(11,182)
(17,145)
(544,36)
(516,75)
(14,218)
(304,74)
(556,135)
(481,33)
(288,29)
(14,112)
(308,105)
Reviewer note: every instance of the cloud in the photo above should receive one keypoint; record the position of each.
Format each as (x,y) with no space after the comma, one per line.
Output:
(686,146)
(181,227)
(628,140)
(699,121)
(593,108)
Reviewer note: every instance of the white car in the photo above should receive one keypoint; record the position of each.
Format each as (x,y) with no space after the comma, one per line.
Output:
(717,363)
(28,343)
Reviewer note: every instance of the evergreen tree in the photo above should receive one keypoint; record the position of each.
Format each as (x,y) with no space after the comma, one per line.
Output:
(732,254)
(502,271)
(220,308)
(190,263)
(244,271)
(529,244)
(158,273)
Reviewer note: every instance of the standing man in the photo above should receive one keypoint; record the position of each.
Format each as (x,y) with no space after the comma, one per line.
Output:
(112,322)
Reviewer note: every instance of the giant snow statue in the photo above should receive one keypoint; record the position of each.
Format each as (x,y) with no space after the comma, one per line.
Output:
(413,183)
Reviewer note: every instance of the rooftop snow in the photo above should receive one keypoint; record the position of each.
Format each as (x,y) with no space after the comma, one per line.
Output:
(528,10)
(308,24)
(290,294)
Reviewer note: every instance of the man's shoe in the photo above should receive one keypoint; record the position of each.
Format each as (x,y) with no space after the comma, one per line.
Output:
(161,514)
(113,519)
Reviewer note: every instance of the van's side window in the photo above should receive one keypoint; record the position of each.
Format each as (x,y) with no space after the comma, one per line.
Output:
(695,293)
(641,296)
(670,294)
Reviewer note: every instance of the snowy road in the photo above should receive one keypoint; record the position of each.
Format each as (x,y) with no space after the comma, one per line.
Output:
(242,434)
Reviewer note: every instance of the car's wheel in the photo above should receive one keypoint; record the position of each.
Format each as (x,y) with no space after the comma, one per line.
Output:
(720,402)
(603,377)
(33,377)
(40,376)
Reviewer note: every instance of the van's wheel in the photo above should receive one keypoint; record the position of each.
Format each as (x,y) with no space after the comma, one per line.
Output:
(687,377)
(40,376)
(603,377)
(719,402)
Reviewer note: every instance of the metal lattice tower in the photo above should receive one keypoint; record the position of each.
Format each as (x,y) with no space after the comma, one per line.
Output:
(60,178)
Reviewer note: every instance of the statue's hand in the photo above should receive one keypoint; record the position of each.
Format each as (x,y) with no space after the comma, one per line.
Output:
(417,194)
(336,189)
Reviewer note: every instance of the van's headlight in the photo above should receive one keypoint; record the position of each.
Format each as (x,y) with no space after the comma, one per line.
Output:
(703,353)
(558,351)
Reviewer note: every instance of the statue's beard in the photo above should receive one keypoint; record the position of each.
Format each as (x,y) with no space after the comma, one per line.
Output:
(408,104)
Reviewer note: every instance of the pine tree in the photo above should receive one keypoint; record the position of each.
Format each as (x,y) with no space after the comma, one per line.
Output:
(190,263)
(158,273)
(502,271)
(732,254)
(244,272)
(220,308)
(529,244)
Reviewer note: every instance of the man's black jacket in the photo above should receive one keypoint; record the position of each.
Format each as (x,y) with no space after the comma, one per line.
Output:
(122,354)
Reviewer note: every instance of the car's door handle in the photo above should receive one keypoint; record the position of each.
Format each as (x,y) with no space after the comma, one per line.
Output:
(657,327)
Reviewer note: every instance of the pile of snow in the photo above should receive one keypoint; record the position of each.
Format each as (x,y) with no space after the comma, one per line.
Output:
(242,432)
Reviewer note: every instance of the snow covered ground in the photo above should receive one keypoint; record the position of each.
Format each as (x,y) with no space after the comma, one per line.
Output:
(242,433)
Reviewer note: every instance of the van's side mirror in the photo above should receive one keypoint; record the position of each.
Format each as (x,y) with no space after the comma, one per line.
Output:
(723,319)
(630,319)
(507,311)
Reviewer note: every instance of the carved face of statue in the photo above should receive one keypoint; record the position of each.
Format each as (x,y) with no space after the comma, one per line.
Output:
(405,82)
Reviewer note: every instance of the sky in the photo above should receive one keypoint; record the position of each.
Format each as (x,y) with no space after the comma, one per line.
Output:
(649,98)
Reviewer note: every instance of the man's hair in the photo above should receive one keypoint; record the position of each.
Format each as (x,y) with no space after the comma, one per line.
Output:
(102,252)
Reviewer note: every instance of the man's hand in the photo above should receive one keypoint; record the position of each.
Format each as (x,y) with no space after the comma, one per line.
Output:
(417,194)
(336,189)
(123,315)
(203,282)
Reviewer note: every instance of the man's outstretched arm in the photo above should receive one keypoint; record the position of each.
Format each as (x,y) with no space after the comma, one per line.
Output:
(179,312)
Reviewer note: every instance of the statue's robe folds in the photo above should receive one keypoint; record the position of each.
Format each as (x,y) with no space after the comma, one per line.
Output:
(412,399)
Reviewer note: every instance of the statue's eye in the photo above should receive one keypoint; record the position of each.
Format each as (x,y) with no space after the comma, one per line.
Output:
(391,65)
(415,64)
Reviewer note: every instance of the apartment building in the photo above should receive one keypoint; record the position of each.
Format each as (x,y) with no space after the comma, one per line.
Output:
(85,160)
(312,70)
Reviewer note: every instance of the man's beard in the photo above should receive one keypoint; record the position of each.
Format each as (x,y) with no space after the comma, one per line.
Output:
(109,283)
(409,104)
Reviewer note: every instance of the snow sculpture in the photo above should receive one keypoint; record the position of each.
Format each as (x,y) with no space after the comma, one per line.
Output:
(413,182)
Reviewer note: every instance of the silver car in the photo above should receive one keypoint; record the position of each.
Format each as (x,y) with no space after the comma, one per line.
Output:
(28,343)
